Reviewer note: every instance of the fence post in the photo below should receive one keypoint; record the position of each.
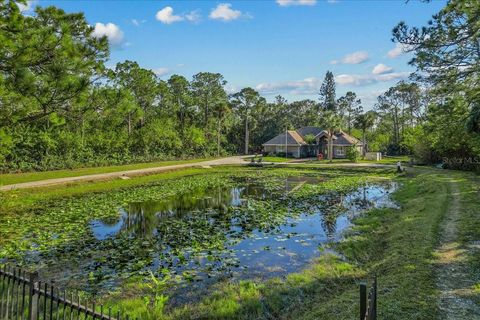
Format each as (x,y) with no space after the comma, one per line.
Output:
(32,296)
(363,300)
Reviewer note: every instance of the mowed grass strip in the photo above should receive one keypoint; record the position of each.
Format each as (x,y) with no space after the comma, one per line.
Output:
(13,178)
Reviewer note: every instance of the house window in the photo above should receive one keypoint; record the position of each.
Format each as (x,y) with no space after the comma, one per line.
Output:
(280,149)
(340,151)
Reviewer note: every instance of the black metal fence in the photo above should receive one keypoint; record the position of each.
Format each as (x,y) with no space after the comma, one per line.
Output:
(23,296)
(368,303)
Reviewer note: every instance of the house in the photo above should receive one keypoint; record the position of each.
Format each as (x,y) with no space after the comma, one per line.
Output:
(310,141)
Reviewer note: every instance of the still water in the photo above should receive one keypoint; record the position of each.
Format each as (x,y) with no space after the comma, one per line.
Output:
(220,233)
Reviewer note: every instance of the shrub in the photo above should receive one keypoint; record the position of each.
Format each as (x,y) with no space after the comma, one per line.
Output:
(353,154)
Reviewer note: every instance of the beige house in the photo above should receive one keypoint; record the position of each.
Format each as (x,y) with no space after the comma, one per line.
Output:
(294,144)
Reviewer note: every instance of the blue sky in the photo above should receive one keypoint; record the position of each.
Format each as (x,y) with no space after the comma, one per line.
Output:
(276,46)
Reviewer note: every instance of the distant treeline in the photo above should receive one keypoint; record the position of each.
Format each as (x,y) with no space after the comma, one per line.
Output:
(60,106)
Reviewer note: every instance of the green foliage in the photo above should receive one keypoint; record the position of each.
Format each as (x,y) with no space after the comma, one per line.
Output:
(349,107)
(327,93)
(309,138)
(353,154)
(446,56)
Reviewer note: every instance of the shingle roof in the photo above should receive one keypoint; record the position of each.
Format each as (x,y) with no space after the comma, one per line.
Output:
(292,138)
(324,133)
(295,137)
(345,139)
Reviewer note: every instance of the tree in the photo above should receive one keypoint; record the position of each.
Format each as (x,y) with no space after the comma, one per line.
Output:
(332,122)
(245,102)
(399,107)
(304,113)
(349,107)
(447,53)
(182,101)
(447,50)
(327,93)
(142,83)
(365,121)
(222,108)
(49,59)
(208,89)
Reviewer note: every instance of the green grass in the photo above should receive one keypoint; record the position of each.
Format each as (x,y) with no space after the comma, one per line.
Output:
(390,160)
(13,178)
(18,200)
(270,159)
(385,160)
(469,230)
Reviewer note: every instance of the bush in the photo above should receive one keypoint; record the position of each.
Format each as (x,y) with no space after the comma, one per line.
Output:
(353,154)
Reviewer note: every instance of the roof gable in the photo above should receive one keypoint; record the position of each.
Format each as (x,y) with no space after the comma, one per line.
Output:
(296,137)
(346,139)
(292,138)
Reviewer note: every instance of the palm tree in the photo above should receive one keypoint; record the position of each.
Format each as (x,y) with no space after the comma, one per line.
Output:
(245,101)
(364,122)
(332,122)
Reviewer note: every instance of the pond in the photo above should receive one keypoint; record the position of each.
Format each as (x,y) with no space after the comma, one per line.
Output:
(244,229)
(198,231)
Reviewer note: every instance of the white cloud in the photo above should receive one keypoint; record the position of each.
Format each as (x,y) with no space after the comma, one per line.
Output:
(137,23)
(369,98)
(111,31)
(193,16)
(287,3)
(352,58)
(381,69)
(160,72)
(224,12)
(398,50)
(166,16)
(311,85)
(306,86)
(395,52)
(362,80)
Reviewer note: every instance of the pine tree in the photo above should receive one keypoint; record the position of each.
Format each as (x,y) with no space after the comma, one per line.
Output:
(327,93)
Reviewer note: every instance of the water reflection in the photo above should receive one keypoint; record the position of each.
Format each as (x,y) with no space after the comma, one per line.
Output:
(221,221)
(245,231)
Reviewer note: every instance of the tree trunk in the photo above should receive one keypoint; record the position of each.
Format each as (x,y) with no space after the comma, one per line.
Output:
(364,148)
(129,124)
(218,136)
(330,146)
(246,135)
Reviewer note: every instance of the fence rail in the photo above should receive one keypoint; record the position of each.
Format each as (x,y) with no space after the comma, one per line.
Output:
(368,303)
(24,297)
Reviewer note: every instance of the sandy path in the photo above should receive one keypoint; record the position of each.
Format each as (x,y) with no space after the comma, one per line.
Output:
(452,280)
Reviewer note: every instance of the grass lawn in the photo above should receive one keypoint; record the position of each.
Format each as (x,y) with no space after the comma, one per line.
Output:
(270,159)
(390,160)
(12,178)
(18,200)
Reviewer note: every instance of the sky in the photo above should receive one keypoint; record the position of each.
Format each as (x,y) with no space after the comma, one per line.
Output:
(278,47)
